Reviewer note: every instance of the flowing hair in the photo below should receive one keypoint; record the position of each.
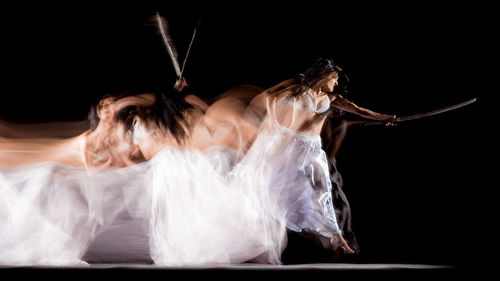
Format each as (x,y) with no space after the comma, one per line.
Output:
(167,112)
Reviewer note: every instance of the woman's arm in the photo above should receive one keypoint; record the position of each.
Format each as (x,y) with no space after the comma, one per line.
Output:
(259,105)
(283,85)
(147,99)
(196,102)
(341,103)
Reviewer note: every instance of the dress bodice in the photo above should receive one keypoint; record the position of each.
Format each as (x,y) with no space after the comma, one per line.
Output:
(308,104)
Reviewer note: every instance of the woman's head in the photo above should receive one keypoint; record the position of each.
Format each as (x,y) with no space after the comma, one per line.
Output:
(102,111)
(105,110)
(328,82)
(323,74)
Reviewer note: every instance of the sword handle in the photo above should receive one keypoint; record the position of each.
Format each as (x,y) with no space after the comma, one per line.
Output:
(380,122)
(372,123)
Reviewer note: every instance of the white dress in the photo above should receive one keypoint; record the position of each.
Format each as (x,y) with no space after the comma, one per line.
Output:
(176,209)
(182,207)
(294,168)
(198,217)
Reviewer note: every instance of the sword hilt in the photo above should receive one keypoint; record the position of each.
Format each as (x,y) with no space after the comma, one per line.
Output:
(372,123)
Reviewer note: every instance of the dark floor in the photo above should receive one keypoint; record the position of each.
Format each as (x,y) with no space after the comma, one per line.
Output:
(302,271)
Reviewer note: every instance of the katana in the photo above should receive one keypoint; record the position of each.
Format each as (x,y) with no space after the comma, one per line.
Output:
(434,112)
(189,48)
(421,115)
(168,44)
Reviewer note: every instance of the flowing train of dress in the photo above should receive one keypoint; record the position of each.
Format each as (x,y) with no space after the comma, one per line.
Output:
(199,217)
(44,214)
(177,209)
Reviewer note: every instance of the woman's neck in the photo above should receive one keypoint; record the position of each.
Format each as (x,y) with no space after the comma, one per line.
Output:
(315,92)
(102,127)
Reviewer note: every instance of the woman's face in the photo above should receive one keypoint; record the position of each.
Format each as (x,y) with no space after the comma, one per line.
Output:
(329,82)
(105,109)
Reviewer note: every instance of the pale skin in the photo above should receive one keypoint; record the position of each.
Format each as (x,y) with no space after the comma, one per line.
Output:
(104,147)
(220,123)
(158,138)
(110,145)
(308,122)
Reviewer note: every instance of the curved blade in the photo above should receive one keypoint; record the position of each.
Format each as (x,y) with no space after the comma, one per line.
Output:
(434,112)
(168,44)
(189,48)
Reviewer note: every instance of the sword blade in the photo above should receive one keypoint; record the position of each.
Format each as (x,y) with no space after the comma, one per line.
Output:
(173,57)
(434,112)
(189,48)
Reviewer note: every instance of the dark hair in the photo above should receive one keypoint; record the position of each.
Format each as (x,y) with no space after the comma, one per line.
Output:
(167,112)
(317,71)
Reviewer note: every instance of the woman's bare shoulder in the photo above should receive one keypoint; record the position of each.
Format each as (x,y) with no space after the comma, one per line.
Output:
(288,91)
(334,97)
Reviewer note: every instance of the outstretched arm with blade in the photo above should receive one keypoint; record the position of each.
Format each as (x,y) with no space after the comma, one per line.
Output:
(341,103)
(366,113)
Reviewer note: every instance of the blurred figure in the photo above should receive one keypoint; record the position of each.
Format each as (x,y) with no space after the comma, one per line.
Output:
(98,143)
(189,195)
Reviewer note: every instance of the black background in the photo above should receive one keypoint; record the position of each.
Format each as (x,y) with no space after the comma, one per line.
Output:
(414,189)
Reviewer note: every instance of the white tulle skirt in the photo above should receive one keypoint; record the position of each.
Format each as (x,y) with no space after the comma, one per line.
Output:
(44,214)
(293,169)
(179,208)
(199,217)
(182,207)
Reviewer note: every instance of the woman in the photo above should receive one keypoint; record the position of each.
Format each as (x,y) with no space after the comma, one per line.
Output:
(108,143)
(287,156)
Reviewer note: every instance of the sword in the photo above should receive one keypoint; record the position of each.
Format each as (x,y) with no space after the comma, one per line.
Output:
(434,112)
(170,48)
(189,49)
(422,115)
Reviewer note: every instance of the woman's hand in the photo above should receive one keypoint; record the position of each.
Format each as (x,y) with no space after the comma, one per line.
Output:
(391,121)
(180,84)
(338,241)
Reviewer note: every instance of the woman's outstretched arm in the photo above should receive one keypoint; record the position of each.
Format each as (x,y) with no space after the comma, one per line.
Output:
(341,103)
